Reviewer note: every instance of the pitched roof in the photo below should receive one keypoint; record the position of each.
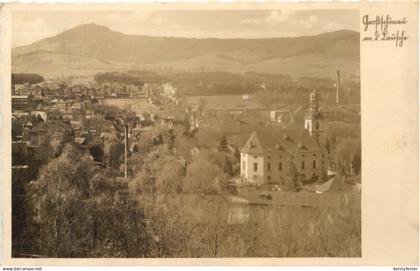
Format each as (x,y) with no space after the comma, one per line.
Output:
(281,141)
(253,145)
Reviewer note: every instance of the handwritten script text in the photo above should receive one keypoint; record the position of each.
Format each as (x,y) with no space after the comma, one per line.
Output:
(384,28)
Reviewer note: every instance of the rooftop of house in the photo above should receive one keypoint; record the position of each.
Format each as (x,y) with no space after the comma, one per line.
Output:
(287,141)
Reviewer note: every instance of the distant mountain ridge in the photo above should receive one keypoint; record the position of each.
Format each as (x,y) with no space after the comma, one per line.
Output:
(98,45)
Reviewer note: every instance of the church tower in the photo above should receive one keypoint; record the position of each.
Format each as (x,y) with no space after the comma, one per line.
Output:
(313,116)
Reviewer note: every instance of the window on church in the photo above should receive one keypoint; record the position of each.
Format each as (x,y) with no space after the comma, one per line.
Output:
(317,125)
(255,166)
(269,166)
(303,165)
(280,166)
(314,164)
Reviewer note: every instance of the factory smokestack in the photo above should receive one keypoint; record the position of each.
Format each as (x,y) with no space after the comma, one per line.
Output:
(337,98)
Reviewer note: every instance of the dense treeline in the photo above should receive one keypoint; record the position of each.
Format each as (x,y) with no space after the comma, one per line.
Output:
(76,211)
(118,77)
(22,78)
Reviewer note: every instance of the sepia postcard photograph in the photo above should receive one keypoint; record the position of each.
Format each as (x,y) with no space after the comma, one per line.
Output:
(199,133)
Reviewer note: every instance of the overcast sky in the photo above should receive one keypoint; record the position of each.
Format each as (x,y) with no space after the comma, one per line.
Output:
(32,26)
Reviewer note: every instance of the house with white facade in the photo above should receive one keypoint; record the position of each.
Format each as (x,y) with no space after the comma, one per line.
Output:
(269,153)
(267,156)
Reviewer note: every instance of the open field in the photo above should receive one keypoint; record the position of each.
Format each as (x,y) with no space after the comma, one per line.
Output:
(226,101)
(56,65)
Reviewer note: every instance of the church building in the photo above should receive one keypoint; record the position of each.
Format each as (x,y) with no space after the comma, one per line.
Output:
(268,153)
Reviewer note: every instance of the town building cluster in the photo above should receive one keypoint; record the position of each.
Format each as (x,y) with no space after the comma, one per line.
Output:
(288,138)
(80,114)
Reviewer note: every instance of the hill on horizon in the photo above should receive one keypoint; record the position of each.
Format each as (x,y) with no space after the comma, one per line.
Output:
(90,48)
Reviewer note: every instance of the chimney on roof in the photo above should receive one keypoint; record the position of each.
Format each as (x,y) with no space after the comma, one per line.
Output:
(337,100)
